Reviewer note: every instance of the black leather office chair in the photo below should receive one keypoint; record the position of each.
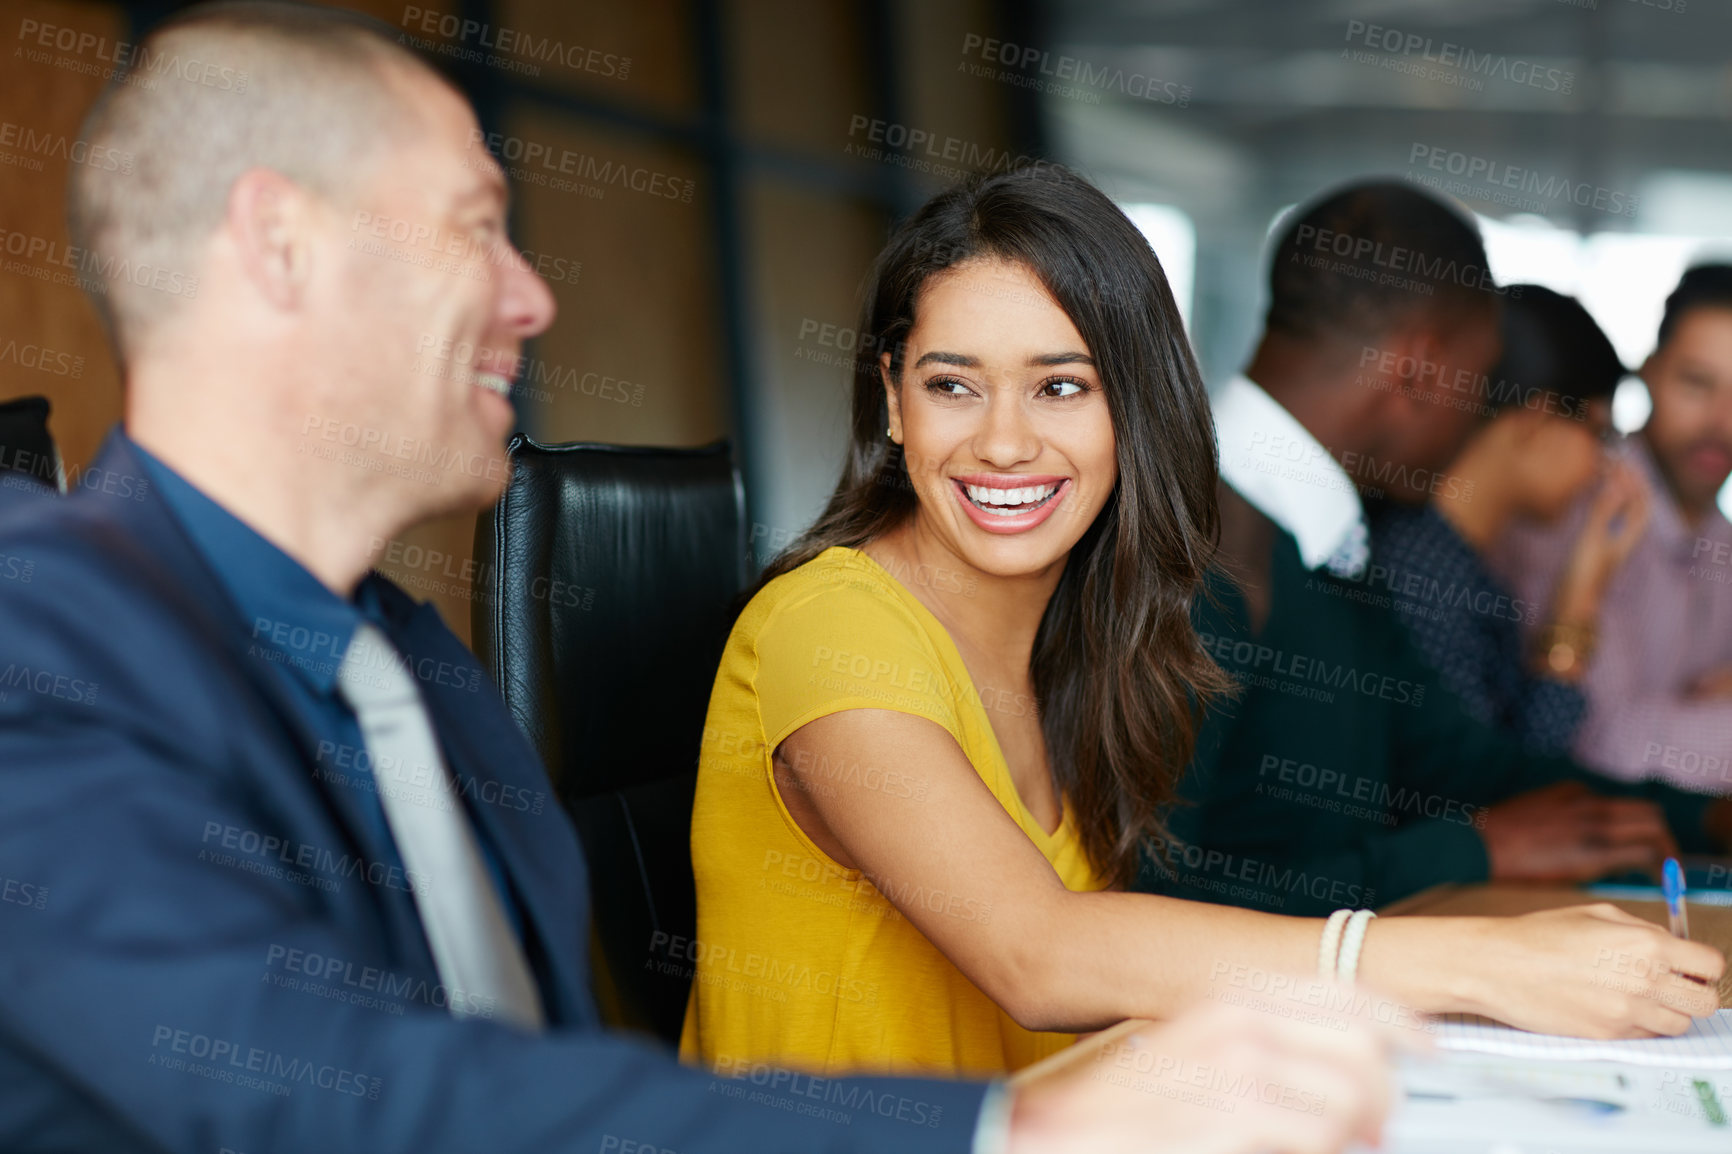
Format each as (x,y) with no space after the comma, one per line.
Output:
(26,446)
(606,596)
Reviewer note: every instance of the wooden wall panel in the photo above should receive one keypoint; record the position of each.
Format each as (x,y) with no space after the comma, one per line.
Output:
(51,341)
(635,356)
(638,53)
(810,259)
(800,75)
(941,96)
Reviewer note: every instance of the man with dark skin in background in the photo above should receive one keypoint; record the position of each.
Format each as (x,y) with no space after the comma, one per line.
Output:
(1343,774)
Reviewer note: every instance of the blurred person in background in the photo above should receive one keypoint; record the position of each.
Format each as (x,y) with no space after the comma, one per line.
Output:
(1549,402)
(1656,669)
(1344,771)
(952,712)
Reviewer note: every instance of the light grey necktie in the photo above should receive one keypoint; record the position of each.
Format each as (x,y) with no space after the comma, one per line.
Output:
(480,961)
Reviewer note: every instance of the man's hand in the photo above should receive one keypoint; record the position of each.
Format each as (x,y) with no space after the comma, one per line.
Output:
(1717,822)
(1567,833)
(1220,1079)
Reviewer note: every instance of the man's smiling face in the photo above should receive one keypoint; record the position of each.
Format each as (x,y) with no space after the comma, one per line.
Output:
(428,335)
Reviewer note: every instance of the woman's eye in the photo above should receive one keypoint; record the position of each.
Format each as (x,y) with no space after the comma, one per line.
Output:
(1063,387)
(948,386)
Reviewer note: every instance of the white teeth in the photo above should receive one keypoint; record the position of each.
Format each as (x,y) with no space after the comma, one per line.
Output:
(1028,495)
(494,382)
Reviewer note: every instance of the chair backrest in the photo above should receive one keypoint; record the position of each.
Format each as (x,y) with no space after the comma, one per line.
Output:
(26,446)
(606,588)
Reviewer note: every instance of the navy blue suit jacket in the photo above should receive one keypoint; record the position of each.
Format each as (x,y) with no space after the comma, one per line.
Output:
(199,947)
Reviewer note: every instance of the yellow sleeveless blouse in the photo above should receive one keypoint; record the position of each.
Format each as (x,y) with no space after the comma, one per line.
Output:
(799,963)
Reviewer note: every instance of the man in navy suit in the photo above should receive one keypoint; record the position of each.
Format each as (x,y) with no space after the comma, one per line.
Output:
(209,937)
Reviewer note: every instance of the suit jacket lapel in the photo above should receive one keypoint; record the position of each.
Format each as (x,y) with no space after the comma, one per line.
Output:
(148,519)
(495,765)
(509,797)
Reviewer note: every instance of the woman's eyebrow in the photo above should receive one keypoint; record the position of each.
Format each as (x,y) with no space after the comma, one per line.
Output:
(961,360)
(1040,360)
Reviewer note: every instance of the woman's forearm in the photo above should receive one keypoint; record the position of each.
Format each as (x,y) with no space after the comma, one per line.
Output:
(1107,956)
(1110,956)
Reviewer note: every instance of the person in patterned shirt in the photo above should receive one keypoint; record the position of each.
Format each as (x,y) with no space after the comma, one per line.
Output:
(1659,690)
(1541,450)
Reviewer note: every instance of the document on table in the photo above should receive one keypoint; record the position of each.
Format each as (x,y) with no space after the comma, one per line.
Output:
(1707,1045)
(1461,1101)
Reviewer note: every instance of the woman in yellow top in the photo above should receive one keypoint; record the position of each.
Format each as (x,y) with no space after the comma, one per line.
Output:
(902,864)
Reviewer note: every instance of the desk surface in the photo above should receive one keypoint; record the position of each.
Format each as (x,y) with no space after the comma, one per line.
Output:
(1711,924)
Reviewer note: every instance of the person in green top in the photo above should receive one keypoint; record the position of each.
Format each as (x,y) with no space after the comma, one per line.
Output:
(1342,772)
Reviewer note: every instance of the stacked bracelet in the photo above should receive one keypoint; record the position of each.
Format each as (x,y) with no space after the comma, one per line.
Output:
(1343,941)
(1352,942)
(1331,943)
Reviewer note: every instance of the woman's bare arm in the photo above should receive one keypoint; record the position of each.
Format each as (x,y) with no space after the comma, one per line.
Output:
(960,869)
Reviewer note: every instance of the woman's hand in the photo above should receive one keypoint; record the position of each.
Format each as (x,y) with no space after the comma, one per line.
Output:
(1220,1079)
(1589,971)
(1603,546)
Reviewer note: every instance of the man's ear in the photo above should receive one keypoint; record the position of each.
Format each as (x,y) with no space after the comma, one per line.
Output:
(1419,360)
(892,399)
(268,222)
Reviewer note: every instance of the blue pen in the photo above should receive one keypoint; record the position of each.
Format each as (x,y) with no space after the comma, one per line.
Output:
(1672,886)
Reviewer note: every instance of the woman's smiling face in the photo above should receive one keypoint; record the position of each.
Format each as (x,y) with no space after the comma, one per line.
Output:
(1002,418)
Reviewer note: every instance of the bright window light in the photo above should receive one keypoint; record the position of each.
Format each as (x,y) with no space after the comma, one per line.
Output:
(1630,405)
(1170,233)
(1622,278)
(1531,251)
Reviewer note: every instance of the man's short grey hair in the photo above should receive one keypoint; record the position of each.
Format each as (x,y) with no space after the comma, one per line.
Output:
(310,93)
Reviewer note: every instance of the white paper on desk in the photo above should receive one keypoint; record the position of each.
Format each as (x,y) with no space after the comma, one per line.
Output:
(1463,1102)
(1707,1045)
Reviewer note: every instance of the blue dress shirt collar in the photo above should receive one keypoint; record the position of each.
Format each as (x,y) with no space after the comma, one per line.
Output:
(289,611)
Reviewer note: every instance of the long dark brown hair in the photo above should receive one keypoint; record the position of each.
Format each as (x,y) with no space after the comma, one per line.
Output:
(1119,674)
